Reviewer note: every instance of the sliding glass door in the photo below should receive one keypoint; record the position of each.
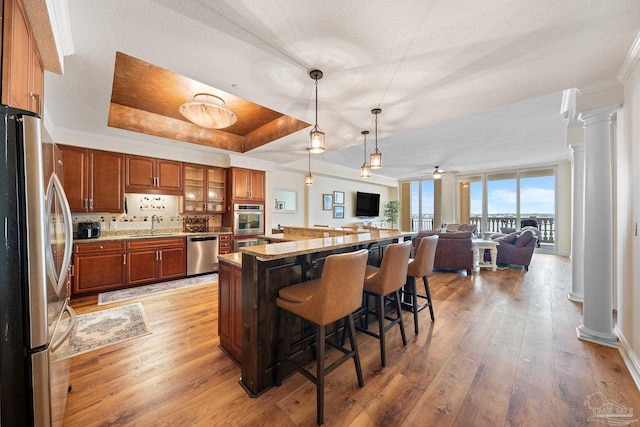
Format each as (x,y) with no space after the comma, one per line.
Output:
(418,199)
(507,201)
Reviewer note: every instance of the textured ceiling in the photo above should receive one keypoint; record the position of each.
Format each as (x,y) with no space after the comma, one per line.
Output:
(467,85)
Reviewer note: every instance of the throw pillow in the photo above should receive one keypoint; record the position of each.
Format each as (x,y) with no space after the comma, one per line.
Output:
(453,227)
(509,238)
(468,227)
(524,238)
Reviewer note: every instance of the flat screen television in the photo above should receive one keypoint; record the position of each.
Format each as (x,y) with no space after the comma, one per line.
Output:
(367,204)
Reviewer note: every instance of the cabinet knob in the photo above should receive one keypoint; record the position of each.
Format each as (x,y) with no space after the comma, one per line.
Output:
(101,247)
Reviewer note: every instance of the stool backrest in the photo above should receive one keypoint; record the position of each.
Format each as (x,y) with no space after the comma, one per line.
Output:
(341,284)
(393,270)
(422,264)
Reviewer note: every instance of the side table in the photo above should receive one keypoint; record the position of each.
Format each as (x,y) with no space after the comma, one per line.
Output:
(478,246)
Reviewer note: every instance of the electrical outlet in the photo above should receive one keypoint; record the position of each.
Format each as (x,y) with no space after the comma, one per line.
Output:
(114,225)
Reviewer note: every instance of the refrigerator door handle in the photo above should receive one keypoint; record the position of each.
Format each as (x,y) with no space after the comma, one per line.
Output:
(56,185)
(72,324)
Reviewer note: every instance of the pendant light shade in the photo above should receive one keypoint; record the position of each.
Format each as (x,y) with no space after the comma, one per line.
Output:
(437,174)
(316,136)
(308,179)
(208,111)
(365,171)
(376,156)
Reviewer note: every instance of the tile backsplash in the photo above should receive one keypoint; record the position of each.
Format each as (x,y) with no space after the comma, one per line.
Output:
(139,210)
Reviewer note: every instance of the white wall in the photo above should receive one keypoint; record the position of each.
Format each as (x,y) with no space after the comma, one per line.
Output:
(310,210)
(626,239)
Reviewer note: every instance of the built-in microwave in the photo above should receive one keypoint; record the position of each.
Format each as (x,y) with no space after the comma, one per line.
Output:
(248,219)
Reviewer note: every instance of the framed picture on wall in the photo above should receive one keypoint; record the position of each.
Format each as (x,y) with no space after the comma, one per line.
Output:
(338,197)
(338,211)
(327,202)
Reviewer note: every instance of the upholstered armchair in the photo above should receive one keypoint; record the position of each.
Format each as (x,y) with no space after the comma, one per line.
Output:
(516,248)
(453,251)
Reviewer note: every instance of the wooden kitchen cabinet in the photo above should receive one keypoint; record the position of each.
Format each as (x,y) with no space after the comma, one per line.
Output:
(230,309)
(150,260)
(204,189)
(225,244)
(246,184)
(152,176)
(93,180)
(22,70)
(98,267)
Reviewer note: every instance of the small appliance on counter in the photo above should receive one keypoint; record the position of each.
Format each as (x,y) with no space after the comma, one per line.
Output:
(88,230)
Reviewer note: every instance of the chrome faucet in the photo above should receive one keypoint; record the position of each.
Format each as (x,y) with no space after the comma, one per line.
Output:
(154,218)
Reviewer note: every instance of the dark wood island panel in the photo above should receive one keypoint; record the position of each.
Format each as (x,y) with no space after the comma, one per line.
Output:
(266,269)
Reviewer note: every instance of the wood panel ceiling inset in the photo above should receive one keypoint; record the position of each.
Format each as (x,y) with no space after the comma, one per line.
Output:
(145,98)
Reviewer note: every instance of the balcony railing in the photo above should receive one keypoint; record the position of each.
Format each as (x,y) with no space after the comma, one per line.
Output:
(546,225)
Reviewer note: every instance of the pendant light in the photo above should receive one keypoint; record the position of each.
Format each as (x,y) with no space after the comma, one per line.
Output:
(308,179)
(437,174)
(316,136)
(364,170)
(376,156)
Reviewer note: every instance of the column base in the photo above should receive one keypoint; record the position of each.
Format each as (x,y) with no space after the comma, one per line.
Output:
(586,334)
(571,296)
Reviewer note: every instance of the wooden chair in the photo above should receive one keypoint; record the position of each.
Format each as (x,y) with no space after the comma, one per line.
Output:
(383,283)
(332,297)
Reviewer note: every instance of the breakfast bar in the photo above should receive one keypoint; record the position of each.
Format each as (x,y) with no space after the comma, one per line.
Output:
(268,268)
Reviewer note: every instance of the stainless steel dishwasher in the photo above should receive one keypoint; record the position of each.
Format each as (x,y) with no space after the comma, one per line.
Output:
(202,254)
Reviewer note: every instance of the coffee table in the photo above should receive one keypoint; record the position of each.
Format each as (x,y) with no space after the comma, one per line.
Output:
(478,247)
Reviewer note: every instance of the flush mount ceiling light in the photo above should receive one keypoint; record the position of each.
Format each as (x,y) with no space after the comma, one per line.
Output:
(316,136)
(308,179)
(437,174)
(376,156)
(364,170)
(208,111)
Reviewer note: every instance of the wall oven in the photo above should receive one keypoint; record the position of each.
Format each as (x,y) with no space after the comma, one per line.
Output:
(248,219)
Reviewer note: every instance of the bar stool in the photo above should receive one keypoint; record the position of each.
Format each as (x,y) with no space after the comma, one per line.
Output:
(334,296)
(381,283)
(420,266)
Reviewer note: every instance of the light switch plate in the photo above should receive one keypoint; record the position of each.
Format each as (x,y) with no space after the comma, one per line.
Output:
(114,225)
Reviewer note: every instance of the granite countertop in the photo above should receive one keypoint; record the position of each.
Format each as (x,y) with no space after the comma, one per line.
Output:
(234,258)
(310,245)
(132,235)
(282,237)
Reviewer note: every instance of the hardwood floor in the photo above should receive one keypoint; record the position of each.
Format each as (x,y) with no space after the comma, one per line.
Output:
(502,351)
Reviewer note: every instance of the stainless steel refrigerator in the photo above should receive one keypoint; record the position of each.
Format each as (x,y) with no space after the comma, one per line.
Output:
(35,253)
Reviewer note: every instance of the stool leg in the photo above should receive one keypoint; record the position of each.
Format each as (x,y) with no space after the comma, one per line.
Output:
(401,322)
(414,302)
(380,306)
(320,374)
(354,346)
(428,292)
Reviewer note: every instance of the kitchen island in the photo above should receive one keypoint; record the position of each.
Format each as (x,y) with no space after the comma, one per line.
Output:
(266,269)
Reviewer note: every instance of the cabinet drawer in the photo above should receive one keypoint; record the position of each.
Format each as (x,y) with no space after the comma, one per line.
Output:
(224,237)
(156,243)
(85,248)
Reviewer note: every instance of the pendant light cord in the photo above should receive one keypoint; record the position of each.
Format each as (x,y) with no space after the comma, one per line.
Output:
(316,103)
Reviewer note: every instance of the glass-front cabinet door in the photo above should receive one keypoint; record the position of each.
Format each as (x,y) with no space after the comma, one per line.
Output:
(194,188)
(216,178)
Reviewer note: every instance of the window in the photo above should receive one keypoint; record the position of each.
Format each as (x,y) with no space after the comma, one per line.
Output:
(500,201)
(420,203)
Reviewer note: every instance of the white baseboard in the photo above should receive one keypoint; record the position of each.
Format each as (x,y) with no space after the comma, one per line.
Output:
(630,358)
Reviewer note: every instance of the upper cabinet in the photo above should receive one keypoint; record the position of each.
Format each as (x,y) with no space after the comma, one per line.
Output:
(22,70)
(93,179)
(247,184)
(153,176)
(204,189)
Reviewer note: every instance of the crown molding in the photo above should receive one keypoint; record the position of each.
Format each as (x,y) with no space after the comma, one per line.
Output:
(630,61)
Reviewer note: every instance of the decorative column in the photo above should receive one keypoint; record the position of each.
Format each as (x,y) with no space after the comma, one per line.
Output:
(597,308)
(577,229)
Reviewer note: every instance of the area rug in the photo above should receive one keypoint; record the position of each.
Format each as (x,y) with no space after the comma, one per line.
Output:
(103,328)
(155,288)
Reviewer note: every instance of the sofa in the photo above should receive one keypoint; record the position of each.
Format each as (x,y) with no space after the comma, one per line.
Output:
(515,248)
(453,251)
